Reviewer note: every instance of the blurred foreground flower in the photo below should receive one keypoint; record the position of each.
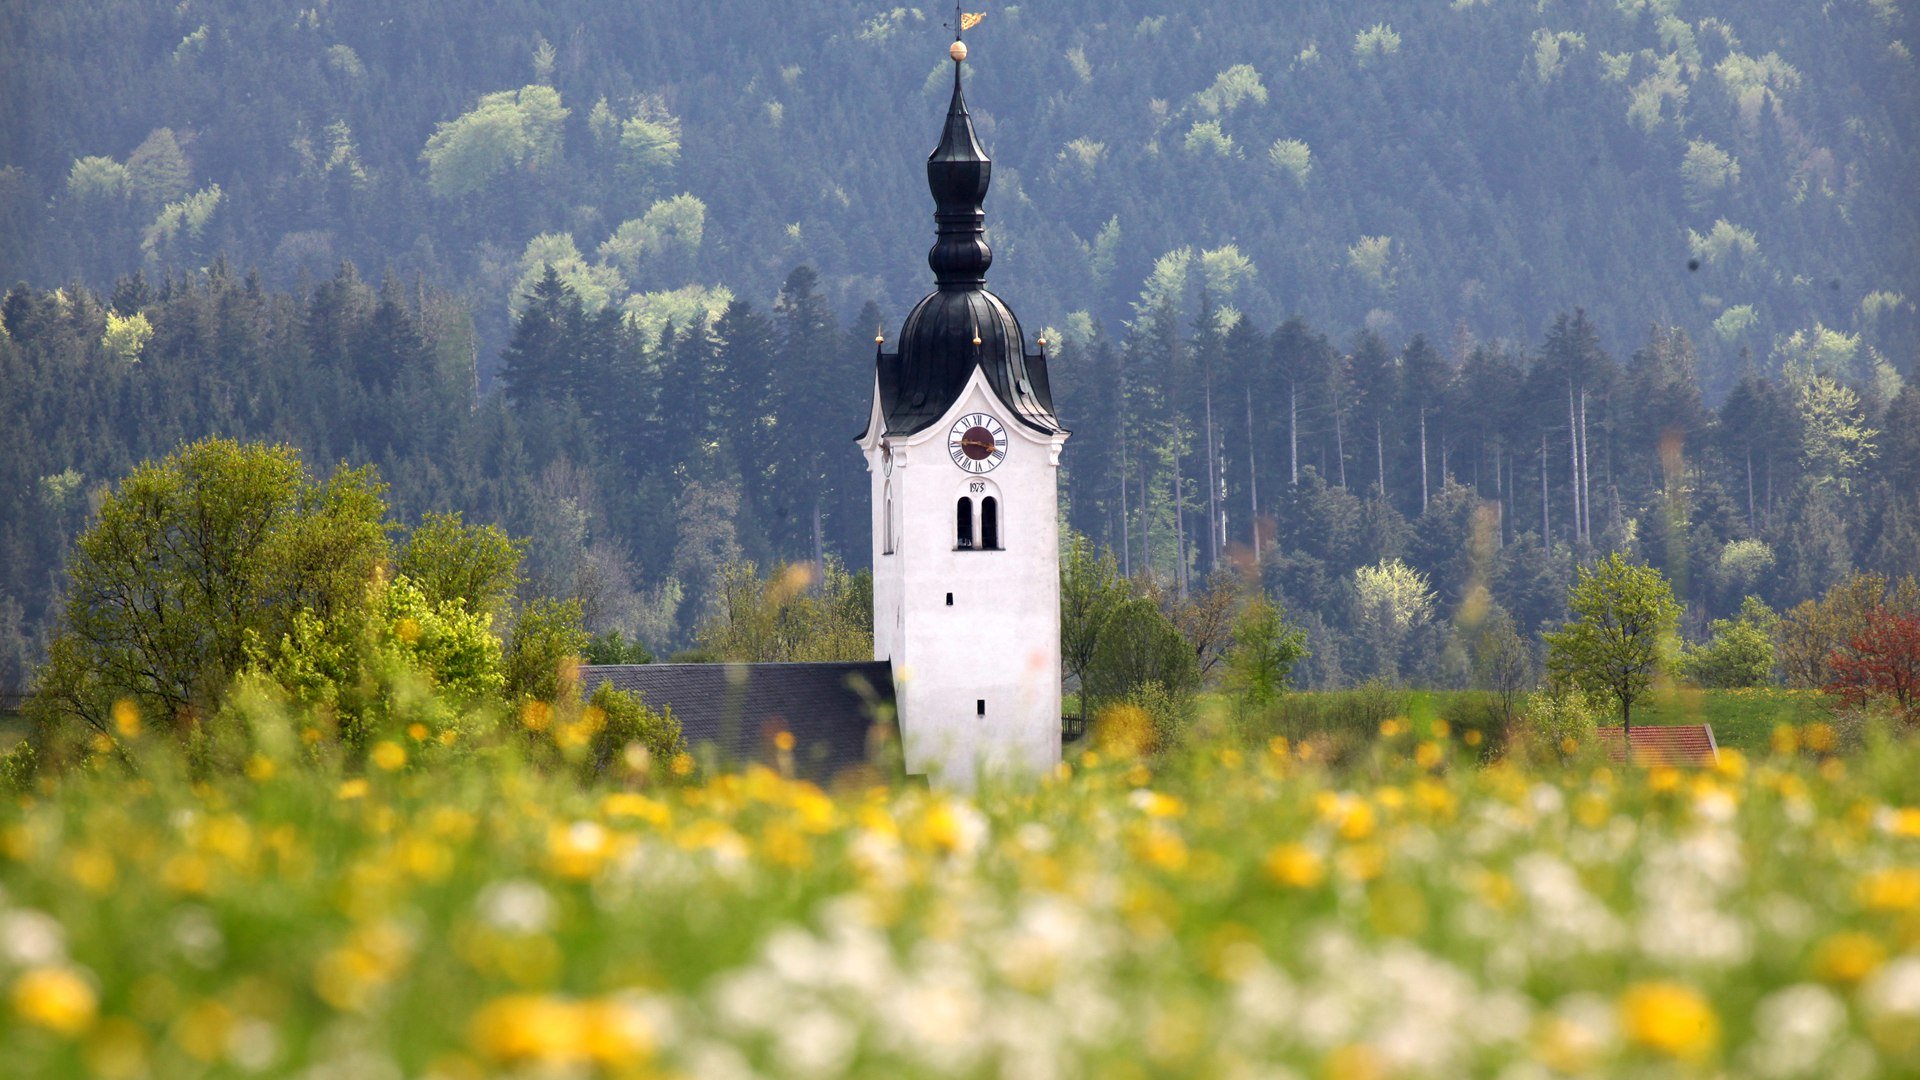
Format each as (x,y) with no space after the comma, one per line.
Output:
(55,998)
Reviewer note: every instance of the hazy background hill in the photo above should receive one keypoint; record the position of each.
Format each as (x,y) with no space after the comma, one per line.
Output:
(1415,167)
(1448,297)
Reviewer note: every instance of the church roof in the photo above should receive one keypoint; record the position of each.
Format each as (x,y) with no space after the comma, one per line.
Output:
(840,715)
(961,326)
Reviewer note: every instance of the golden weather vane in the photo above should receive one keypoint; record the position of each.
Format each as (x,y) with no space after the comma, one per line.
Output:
(964,21)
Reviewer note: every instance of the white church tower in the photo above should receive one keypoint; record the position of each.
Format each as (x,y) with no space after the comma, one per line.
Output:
(964,452)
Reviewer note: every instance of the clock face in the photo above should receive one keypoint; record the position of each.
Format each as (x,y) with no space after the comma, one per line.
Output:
(977,443)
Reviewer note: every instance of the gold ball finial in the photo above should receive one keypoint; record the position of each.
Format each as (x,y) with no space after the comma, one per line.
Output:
(957,50)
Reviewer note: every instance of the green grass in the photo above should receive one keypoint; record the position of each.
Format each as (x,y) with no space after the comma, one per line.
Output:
(1742,719)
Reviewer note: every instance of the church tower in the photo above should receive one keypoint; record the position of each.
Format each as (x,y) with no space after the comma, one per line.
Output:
(964,452)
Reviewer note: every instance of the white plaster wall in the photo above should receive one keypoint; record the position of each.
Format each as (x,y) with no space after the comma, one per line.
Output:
(1000,640)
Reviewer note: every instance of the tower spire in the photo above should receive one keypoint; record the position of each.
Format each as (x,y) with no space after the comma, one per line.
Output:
(958,174)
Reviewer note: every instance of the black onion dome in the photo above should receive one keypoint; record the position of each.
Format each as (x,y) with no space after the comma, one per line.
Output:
(961,325)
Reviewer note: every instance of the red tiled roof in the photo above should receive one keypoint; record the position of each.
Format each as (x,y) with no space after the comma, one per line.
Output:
(1683,745)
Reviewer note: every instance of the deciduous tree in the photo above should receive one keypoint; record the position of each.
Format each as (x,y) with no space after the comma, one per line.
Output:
(1882,661)
(1624,616)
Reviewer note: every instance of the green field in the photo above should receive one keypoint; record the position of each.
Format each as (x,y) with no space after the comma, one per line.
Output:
(1741,719)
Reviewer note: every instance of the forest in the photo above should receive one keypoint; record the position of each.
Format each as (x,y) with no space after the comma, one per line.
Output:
(1745,171)
(1402,313)
(1389,497)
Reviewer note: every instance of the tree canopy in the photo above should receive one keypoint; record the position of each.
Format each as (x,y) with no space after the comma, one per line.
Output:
(1621,633)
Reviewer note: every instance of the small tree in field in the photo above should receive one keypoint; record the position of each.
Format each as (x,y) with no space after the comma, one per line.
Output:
(1624,615)
(1503,663)
(1263,653)
(194,558)
(1881,661)
(1090,589)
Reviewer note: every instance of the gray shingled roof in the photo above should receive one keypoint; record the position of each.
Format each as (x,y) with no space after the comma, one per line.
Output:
(832,710)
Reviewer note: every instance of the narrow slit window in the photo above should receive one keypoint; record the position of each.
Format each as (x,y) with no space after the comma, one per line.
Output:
(980,707)
(990,523)
(949,599)
(886,526)
(963,524)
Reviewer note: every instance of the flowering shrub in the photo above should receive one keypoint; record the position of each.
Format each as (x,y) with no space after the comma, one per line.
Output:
(1227,912)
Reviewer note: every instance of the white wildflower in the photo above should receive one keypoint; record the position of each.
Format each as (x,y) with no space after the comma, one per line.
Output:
(517,906)
(31,938)
(816,1042)
(1795,1027)
(1894,991)
(198,939)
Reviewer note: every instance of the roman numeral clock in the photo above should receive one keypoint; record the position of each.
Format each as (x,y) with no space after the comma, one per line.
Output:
(977,443)
(963,455)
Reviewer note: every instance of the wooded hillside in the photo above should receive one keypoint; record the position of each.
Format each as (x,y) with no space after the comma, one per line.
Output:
(1413,167)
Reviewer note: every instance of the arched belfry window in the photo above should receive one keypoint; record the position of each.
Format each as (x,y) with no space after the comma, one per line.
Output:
(990,523)
(963,524)
(886,525)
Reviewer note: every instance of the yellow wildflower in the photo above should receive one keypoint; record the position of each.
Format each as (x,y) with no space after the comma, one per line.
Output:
(1155,804)
(785,845)
(55,998)
(1472,738)
(1434,798)
(1903,822)
(92,868)
(354,788)
(1786,740)
(1361,862)
(1894,889)
(126,719)
(1296,866)
(628,804)
(577,850)
(1818,737)
(1162,848)
(530,1028)
(417,731)
(617,1033)
(260,769)
(1428,755)
(1847,957)
(389,756)
(1669,1018)
(1357,820)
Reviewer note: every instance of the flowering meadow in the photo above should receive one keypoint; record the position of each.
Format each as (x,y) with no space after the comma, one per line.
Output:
(1229,912)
